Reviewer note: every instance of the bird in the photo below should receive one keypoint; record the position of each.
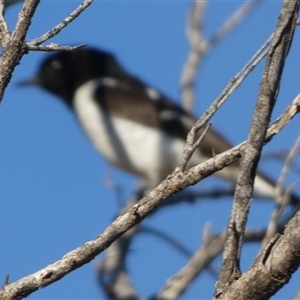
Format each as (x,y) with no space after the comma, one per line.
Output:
(133,125)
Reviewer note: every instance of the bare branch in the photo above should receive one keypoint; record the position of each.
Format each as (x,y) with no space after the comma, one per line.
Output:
(281,195)
(13,49)
(272,269)
(203,257)
(14,46)
(230,269)
(234,83)
(297,296)
(239,15)
(212,194)
(53,47)
(286,168)
(177,285)
(194,33)
(193,196)
(174,183)
(200,46)
(112,272)
(4,31)
(54,31)
(190,148)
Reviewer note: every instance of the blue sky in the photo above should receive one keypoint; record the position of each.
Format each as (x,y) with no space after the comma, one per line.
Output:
(53,190)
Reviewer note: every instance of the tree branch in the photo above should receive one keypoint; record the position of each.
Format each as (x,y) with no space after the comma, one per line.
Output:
(212,247)
(272,269)
(14,46)
(55,30)
(234,83)
(282,195)
(173,184)
(199,46)
(230,269)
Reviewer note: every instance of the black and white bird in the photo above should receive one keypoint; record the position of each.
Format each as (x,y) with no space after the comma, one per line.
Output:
(132,125)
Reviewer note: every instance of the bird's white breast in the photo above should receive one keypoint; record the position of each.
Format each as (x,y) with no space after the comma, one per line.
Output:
(137,148)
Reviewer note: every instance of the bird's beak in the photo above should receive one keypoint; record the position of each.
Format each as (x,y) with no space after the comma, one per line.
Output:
(29,81)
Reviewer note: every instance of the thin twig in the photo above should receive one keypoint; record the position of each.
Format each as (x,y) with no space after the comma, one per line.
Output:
(54,47)
(195,37)
(239,15)
(234,83)
(212,194)
(202,258)
(193,146)
(177,245)
(54,31)
(200,46)
(286,168)
(281,195)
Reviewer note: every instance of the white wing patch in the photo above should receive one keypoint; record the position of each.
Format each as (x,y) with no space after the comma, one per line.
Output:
(153,94)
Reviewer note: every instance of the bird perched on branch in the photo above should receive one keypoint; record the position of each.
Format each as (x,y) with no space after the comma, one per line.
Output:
(132,125)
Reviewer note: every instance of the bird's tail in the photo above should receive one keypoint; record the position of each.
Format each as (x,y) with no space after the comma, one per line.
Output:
(264,186)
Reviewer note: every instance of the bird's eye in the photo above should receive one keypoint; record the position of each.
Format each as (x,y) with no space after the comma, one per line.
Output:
(56,65)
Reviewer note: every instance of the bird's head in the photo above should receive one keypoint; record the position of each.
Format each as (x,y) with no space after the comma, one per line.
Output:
(63,72)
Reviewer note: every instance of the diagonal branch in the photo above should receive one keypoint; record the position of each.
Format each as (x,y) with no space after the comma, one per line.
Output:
(212,247)
(199,46)
(269,88)
(174,183)
(234,83)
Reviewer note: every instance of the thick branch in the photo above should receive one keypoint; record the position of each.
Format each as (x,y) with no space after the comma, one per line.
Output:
(272,269)
(269,88)
(13,47)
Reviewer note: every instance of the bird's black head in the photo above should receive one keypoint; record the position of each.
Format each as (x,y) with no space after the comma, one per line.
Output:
(63,72)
